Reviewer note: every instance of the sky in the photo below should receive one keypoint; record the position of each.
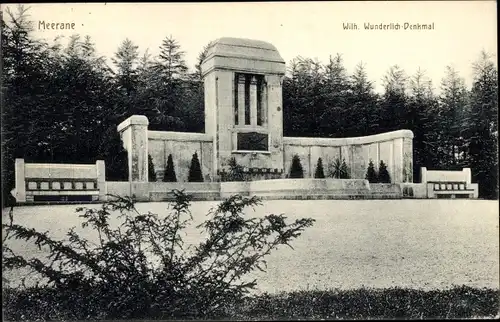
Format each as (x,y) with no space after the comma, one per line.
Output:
(308,29)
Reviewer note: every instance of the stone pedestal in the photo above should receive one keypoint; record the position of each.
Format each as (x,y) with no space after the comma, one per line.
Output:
(134,134)
(19,191)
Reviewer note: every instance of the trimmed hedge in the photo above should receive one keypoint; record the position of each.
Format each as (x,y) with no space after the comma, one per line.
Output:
(459,302)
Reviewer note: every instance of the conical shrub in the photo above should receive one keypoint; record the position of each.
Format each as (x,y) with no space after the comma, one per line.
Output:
(195,174)
(319,174)
(169,175)
(296,170)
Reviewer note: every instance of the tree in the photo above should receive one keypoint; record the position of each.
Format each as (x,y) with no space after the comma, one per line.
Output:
(393,106)
(451,115)
(169,73)
(319,170)
(195,174)
(296,170)
(361,116)
(171,63)
(125,60)
(303,98)
(422,119)
(148,89)
(193,109)
(151,169)
(383,174)
(84,100)
(28,65)
(114,155)
(482,127)
(169,175)
(334,91)
(371,174)
(201,57)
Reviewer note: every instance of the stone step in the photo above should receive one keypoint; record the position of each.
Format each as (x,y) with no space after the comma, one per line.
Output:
(196,195)
(332,197)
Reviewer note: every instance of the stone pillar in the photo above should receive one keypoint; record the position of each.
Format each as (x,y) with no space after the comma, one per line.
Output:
(423,175)
(398,162)
(408,158)
(253,101)
(134,133)
(274,112)
(101,179)
(241,100)
(20,188)
(467,175)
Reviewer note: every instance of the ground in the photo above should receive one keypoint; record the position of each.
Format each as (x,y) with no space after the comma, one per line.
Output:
(425,244)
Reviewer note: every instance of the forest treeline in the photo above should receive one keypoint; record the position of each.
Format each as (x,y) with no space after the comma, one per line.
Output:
(62,103)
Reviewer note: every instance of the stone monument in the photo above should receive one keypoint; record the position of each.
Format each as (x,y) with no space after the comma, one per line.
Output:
(243,103)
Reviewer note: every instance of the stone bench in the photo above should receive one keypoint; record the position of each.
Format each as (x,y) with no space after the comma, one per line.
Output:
(53,182)
(449,184)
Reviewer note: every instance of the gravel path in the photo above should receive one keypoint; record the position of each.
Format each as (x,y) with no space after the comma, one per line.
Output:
(425,244)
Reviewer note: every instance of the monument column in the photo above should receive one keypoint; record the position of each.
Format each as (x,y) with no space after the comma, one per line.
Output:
(241,100)
(134,134)
(264,99)
(253,101)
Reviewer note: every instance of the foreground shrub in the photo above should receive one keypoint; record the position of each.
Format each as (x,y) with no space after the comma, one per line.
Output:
(236,172)
(141,268)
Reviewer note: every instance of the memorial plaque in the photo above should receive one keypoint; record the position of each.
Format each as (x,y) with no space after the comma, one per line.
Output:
(252,141)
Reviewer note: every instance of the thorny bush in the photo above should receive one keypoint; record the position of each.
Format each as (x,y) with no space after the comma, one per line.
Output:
(142,268)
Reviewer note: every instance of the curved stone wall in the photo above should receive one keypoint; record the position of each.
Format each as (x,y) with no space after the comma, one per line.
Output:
(394,148)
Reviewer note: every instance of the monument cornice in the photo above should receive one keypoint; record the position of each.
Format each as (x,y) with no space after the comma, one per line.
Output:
(361,140)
